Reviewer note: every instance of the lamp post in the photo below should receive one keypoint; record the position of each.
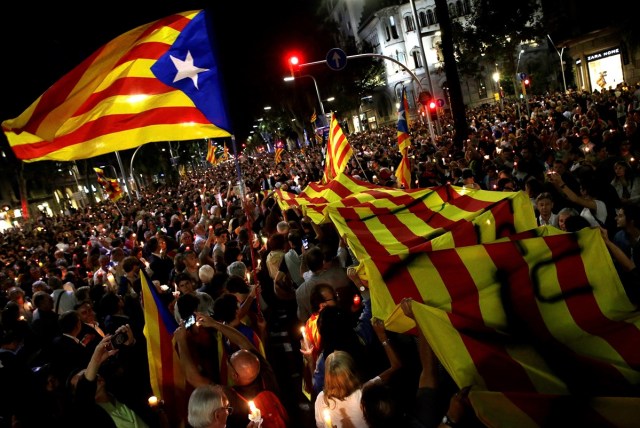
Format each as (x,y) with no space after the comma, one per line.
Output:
(564,81)
(292,78)
(496,78)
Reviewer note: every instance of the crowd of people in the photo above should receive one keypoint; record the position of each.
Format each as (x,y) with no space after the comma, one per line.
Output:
(227,262)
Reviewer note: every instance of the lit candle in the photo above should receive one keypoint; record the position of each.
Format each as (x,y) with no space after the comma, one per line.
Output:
(153,401)
(112,280)
(327,418)
(248,278)
(255,415)
(259,260)
(305,338)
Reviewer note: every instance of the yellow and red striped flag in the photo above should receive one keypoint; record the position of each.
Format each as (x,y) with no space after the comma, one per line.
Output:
(211,152)
(278,155)
(404,140)
(338,151)
(314,117)
(109,185)
(540,327)
(167,378)
(403,171)
(157,82)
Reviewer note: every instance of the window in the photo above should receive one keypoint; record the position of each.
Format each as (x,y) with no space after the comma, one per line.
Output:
(482,89)
(430,18)
(387,32)
(394,29)
(408,22)
(467,7)
(459,10)
(452,10)
(423,19)
(417,60)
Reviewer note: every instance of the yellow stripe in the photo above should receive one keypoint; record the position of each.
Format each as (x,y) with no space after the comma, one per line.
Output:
(130,139)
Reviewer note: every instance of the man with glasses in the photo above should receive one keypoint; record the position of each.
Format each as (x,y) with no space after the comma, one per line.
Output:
(252,377)
(209,408)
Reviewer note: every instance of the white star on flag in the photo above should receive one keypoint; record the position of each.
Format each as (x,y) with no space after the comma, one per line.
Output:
(186,69)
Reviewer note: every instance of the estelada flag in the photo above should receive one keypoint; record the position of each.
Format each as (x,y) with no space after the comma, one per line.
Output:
(211,153)
(157,82)
(109,185)
(167,377)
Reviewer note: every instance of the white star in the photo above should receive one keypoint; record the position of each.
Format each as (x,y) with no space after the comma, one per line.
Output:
(186,69)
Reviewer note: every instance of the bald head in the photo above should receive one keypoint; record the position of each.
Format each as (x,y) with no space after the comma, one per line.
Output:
(246,365)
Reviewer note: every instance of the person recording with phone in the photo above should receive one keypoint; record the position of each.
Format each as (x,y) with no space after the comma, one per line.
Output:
(96,398)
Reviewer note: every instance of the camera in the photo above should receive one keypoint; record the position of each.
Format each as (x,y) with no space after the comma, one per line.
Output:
(119,339)
(190,321)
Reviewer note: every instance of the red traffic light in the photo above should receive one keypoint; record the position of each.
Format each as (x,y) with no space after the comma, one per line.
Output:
(432,105)
(526,82)
(293,62)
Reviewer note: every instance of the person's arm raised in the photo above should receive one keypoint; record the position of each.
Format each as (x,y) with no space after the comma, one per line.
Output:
(231,333)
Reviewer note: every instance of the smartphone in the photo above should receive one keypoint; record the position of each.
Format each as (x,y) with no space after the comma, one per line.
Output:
(305,243)
(190,321)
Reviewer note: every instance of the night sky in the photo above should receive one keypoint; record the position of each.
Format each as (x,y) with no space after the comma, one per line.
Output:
(43,42)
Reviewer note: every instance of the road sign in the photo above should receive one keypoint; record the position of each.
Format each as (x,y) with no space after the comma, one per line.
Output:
(522,76)
(336,59)
(440,102)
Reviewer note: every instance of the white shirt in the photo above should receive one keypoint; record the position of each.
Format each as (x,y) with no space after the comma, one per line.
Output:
(601,214)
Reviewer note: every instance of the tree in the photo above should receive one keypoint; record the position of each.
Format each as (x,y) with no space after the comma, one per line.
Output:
(492,32)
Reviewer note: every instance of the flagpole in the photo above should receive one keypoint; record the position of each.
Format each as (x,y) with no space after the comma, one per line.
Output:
(238,170)
(124,179)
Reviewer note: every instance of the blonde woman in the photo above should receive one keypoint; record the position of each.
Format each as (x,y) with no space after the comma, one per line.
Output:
(340,397)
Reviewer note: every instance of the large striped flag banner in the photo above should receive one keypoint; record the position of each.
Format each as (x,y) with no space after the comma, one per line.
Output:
(338,151)
(167,378)
(392,223)
(109,185)
(158,82)
(540,327)
(314,198)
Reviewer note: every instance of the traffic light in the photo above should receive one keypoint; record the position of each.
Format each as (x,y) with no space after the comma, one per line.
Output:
(526,83)
(433,109)
(294,63)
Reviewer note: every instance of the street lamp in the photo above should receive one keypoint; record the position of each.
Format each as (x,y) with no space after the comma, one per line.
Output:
(496,78)
(292,78)
(564,81)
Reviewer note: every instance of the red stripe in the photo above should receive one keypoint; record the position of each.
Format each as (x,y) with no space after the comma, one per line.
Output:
(397,278)
(559,410)
(58,93)
(125,86)
(524,307)
(499,371)
(110,124)
(624,337)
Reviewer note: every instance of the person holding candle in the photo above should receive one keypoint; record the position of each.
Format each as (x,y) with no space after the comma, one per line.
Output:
(251,374)
(342,389)
(209,408)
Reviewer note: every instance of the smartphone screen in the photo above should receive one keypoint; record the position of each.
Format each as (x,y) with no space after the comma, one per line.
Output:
(305,243)
(190,321)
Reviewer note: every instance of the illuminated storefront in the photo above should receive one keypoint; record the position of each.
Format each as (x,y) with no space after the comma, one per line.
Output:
(604,69)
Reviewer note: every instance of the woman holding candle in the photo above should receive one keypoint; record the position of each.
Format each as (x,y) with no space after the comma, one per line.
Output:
(338,404)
